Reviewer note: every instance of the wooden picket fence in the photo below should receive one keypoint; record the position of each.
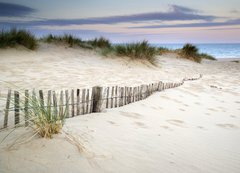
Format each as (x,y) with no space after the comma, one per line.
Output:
(79,101)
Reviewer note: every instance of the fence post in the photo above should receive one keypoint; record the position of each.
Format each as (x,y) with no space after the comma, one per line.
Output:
(61,105)
(72,102)
(97,99)
(116,96)
(112,97)
(87,102)
(16,107)
(26,116)
(67,103)
(107,97)
(41,98)
(7,109)
(78,102)
(83,100)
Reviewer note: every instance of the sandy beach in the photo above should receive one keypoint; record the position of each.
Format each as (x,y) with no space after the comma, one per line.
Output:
(193,128)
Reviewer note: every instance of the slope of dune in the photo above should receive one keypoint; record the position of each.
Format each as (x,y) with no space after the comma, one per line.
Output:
(192,128)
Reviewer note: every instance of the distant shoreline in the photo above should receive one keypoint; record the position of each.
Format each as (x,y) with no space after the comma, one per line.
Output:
(228,59)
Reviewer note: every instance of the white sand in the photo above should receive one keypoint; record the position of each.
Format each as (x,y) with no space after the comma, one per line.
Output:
(192,128)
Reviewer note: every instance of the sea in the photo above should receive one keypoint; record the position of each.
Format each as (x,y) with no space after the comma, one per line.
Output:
(219,50)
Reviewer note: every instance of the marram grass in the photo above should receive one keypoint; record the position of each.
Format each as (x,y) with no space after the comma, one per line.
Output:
(15,37)
(45,119)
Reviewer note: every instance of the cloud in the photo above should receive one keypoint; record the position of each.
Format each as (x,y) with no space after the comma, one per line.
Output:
(234,11)
(14,10)
(175,13)
(188,25)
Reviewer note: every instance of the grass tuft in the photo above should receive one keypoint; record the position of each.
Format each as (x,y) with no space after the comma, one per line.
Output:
(66,39)
(100,43)
(190,51)
(207,56)
(45,119)
(14,37)
(140,50)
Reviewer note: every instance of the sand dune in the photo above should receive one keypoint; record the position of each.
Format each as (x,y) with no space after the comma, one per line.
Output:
(192,128)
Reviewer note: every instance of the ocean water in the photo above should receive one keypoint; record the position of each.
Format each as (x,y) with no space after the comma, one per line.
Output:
(220,50)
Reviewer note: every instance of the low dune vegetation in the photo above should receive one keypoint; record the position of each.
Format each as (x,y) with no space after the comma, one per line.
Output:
(191,52)
(14,37)
(139,50)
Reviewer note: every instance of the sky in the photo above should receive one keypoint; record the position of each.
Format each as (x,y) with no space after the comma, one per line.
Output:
(158,21)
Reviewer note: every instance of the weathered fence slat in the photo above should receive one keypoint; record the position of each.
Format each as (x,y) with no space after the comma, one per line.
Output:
(78,102)
(107,97)
(116,96)
(112,95)
(26,104)
(97,99)
(87,102)
(55,103)
(49,101)
(5,123)
(67,104)
(41,98)
(61,104)
(16,107)
(83,100)
(72,103)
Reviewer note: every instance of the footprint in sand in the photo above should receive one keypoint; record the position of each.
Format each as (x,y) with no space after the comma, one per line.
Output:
(111,122)
(130,115)
(212,109)
(140,124)
(181,109)
(178,123)
(201,127)
(227,126)
(197,103)
(166,127)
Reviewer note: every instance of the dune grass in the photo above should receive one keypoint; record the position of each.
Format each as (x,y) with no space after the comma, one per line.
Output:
(100,43)
(46,120)
(68,39)
(190,51)
(15,37)
(141,50)
(207,56)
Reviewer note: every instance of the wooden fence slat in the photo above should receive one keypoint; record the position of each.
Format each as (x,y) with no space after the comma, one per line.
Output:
(26,106)
(97,99)
(116,96)
(41,98)
(49,101)
(112,97)
(55,109)
(67,103)
(91,103)
(107,97)
(121,96)
(83,100)
(78,102)
(87,102)
(134,94)
(5,123)
(61,104)
(72,103)
(16,107)
(125,95)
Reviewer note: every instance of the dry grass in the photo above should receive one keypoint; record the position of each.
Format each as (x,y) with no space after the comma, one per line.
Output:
(14,37)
